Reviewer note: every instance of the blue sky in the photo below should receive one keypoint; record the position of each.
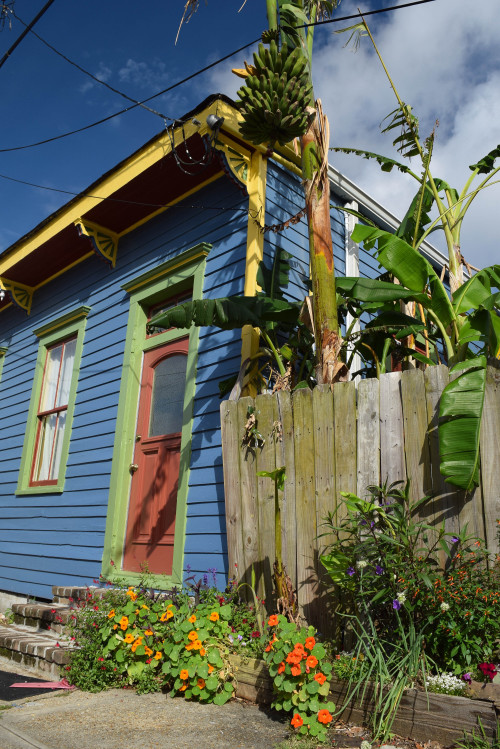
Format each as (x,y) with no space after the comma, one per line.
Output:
(444,56)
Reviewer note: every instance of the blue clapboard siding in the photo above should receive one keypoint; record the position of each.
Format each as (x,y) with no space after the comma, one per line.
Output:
(58,538)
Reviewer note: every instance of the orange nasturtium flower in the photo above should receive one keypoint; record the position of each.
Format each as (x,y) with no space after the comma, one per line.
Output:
(129,638)
(273,620)
(115,626)
(296,721)
(293,658)
(184,674)
(311,661)
(183,688)
(214,616)
(132,594)
(324,717)
(192,619)
(320,678)
(296,670)
(148,651)
(310,643)
(124,622)
(197,645)
(193,635)
(201,683)
(281,667)
(210,668)
(166,616)
(111,614)
(203,651)
(148,631)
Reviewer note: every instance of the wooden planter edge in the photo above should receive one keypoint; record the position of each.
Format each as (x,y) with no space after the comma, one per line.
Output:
(439,717)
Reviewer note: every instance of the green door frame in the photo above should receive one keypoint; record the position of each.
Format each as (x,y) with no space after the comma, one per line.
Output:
(149,289)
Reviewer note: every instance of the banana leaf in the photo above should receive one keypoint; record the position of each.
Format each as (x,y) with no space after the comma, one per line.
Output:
(372,290)
(228,313)
(409,267)
(487,163)
(460,413)
(476,292)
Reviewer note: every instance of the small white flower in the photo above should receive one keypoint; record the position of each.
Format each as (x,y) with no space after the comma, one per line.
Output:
(444,606)
(365,745)
(361,564)
(401,597)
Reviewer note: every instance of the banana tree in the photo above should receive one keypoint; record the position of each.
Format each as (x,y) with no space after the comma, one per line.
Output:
(277,104)
(466,321)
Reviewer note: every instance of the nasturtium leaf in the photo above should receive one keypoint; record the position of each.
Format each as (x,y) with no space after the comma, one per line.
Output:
(318,651)
(277,657)
(228,686)
(120,656)
(312,687)
(202,670)
(225,612)
(287,705)
(324,688)
(211,683)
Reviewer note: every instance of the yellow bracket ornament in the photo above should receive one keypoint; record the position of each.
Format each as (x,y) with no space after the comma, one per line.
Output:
(104,242)
(20,295)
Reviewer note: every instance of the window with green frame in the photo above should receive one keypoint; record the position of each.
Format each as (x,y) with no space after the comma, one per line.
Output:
(46,444)
(3,351)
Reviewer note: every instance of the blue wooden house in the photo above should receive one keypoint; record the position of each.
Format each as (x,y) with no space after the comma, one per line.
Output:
(111,451)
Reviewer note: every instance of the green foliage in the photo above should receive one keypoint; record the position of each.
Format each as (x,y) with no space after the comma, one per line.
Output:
(300,672)
(180,640)
(346,666)
(403,575)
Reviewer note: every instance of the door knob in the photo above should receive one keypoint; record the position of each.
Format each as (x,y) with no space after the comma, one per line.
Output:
(133,467)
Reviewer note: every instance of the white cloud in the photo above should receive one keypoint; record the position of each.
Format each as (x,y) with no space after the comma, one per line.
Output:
(146,75)
(445,60)
(103,74)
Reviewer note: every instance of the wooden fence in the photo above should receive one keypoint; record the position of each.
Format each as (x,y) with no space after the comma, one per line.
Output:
(329,442)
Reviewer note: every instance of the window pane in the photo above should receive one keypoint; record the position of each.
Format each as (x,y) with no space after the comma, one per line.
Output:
(46,434)
(51,376)
(66,373)
(58,443)
(168,396)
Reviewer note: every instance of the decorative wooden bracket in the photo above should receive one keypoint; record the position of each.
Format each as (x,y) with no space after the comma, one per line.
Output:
(104,242)
(235,163)
(20,295)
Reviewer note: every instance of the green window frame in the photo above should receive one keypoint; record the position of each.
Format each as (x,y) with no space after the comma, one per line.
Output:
(3,351)
(52,338)
(181,273)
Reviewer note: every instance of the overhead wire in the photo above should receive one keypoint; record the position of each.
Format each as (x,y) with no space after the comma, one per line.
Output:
(88,73)
(26,31)
(191,76)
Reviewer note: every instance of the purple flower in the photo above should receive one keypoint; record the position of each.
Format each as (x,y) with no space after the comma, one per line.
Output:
(351,571)
(205,580)
(372,524)
(467,678)
(379,570)
(454,540)
(362,522)
(396,604)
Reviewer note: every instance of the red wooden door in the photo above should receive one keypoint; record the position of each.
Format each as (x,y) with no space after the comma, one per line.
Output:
(155,471)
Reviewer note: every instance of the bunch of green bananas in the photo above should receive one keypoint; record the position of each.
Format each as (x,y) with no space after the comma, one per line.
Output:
(275,95)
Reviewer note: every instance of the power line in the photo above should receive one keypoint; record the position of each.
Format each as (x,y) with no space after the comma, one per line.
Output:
(133,106)
(86,72)
(194,75)
(25,32)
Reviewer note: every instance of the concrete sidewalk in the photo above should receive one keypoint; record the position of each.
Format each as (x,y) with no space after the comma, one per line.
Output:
(121,718)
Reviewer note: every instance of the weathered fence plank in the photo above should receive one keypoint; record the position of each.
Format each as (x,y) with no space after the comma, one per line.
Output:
(285,457)
(415,433)
(392,455)
(344,407)
(441,508)
(231,465)
(266,412)
(249,513)
(368,447)
(324,472)
(305,499)
(490,458)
